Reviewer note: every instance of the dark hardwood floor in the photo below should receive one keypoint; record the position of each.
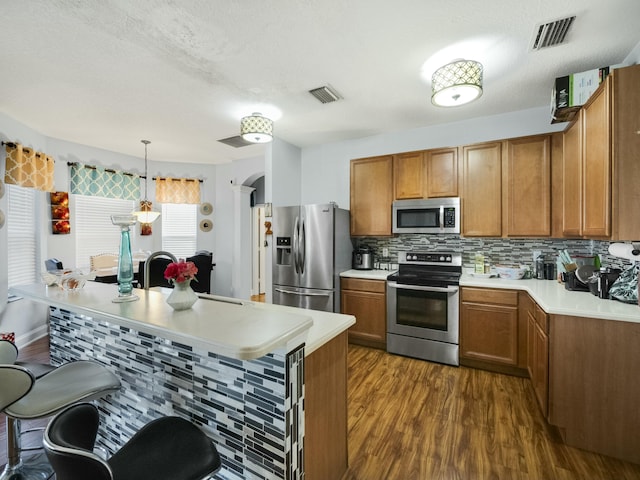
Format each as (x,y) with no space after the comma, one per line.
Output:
(410,419)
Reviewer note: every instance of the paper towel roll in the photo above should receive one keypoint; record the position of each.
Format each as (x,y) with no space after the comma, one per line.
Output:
(623,250)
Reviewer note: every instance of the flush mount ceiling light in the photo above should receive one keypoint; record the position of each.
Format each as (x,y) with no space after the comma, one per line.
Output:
(256,128)
(146,214)
(456,83)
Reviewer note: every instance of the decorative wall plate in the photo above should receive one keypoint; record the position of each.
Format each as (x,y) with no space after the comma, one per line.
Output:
(1,219)
(1,189)
(206,225)
(206,208)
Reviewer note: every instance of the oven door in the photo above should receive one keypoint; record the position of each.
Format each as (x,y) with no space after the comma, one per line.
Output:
(423,312)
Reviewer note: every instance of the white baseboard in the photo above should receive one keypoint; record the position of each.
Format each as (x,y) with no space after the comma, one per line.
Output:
(31,336)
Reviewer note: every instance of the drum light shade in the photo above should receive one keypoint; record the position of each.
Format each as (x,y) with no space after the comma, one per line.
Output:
(256,128)
(456,83)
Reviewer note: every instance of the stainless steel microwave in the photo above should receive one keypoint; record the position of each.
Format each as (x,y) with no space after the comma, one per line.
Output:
(430,215)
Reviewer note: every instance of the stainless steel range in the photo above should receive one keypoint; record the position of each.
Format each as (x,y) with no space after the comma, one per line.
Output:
(422,306)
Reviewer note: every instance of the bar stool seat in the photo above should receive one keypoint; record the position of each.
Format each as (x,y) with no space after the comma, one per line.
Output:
(23,397)
(167,448)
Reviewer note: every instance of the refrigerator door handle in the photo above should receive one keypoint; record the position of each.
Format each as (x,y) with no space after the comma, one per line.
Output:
(302,294)
(296,228)
(302,247)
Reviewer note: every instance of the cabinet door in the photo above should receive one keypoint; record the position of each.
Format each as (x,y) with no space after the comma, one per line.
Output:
(596,155)
(407,173)
(441,172)
(531,345)
(482,190)
(371,196)
(489,333)
(572,180)
(527,181)
(540,376)
(370,310)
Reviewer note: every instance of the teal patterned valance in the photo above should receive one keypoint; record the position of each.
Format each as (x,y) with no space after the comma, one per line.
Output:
(104,182)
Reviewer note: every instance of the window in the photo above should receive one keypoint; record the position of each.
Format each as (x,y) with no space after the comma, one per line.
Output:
(179,228)
(94,231)
(23,243)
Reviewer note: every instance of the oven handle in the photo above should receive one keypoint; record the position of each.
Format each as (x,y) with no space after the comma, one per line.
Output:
(423,288)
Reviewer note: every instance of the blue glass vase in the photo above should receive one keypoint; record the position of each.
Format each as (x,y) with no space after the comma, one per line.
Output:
(125,259)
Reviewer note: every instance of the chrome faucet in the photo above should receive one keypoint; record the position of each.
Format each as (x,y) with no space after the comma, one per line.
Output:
(147,263)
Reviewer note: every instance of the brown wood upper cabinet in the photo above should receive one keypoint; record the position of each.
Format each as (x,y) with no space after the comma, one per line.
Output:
(600,162)
(407,173)
(426,174)
(527,187)
(482,190)
(371,196)
(441,171)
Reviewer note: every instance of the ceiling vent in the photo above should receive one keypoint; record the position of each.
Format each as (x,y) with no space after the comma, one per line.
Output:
(552,33)
(236,141)
(325,94)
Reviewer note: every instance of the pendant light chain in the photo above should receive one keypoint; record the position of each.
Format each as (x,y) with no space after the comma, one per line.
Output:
(146,174)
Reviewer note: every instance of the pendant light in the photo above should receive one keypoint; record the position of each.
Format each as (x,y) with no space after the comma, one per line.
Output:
(456,83)
(146,213)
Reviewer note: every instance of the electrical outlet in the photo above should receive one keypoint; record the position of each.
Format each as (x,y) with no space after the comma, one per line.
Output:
(385,252)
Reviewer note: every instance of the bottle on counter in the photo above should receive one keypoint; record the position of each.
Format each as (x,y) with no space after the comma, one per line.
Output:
(540,268)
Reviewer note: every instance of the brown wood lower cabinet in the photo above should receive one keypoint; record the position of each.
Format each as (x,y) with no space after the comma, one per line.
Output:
(367,301)
(489,330)
(325,404)
(594,389)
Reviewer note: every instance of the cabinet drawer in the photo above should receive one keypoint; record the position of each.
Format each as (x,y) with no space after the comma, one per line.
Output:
(363,285)
(490,295)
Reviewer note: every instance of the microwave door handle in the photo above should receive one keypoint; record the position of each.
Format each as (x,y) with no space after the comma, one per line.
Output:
(295,244)
(441,217)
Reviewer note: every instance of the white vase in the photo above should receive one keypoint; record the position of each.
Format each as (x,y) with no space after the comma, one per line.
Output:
(182,297)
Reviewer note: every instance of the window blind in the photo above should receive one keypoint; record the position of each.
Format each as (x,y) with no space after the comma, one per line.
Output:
(179,228)
(94,231)
(22,241)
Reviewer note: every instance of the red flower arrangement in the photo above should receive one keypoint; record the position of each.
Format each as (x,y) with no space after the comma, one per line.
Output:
(180,271)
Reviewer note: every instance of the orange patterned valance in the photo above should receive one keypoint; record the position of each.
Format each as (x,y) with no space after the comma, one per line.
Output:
(177,190)
(27,168)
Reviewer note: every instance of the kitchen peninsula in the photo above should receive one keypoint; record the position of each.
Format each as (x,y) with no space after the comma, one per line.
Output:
(263,381)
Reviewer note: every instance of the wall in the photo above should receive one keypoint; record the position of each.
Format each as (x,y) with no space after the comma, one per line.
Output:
(226,224)
(31,320)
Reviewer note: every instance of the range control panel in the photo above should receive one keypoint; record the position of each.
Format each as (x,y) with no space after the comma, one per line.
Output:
(430,258)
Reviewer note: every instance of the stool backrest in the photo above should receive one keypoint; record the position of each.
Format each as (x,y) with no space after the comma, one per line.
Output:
(8,352)
(15,383)
(69,440)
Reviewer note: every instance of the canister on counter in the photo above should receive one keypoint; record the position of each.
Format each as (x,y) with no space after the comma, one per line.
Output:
(549,271)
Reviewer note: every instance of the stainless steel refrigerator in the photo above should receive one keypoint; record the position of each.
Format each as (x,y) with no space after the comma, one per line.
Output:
(311,246)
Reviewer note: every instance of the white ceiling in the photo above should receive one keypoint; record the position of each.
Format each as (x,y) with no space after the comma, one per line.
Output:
(181,73)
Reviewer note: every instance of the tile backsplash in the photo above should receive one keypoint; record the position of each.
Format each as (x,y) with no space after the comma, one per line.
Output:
(497,250)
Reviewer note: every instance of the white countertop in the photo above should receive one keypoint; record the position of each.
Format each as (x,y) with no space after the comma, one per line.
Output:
(367,274)
(554,299)
(244,331)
